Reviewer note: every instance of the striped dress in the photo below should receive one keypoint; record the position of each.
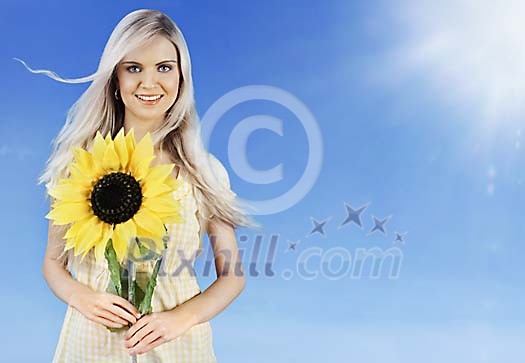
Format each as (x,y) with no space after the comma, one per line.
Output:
(84,341)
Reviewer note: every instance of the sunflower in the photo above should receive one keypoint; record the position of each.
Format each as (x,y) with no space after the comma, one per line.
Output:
(113,193)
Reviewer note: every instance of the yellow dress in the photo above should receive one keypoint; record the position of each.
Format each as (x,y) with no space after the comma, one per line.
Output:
(83,341)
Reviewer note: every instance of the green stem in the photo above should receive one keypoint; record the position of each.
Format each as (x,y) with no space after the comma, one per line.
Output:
(131,292)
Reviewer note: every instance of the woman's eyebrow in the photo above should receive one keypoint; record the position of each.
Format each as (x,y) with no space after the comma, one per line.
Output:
(164,61)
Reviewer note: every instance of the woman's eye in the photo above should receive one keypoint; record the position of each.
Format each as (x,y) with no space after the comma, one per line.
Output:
(166,66)
(163,68)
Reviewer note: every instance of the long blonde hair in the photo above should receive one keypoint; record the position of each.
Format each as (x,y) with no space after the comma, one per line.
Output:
(97,110)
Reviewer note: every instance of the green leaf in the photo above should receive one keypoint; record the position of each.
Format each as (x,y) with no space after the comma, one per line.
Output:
(146,254)
(143,249)
(124,285)
(114,330)
(111,288)
(115,282)
(114,268)
(139,293)
(119,277)
(145,304)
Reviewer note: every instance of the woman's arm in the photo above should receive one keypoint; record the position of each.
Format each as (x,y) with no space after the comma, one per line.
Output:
(230,275)
(54,269)
(101,307)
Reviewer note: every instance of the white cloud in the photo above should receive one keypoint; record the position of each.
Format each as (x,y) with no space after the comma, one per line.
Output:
(19,152)
(472,52)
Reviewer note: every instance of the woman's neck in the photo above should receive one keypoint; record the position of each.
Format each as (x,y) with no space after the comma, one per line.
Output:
(140,128)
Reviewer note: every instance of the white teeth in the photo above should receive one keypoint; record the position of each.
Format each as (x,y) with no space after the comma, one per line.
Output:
(149,98)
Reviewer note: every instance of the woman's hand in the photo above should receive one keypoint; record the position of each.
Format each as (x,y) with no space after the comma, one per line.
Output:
(155,329)
(105,308)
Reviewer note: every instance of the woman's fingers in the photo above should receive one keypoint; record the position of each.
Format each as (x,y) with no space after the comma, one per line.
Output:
(122,313)
(146,343)
(126,305)
(110,310)
(138,326)
(109,315)
(138,336)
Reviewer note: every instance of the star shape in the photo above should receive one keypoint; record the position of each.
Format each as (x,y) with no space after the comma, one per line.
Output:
(399,238)
(379,225)
(318,226)
(354,215)
(292,245)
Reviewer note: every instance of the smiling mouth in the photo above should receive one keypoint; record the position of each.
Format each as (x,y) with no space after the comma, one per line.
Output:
(149,100)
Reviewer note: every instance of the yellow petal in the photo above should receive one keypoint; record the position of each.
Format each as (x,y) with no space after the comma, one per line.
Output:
(163,204)
(151,241)
(87,236)
(68,212)
(70,243)
(122,238)
(136,251)
(83,157)
(85,163)
(99,147)
(171,216)
(69,191)
(154,244)
(141,232)
(83,177)
(120,242)
(140,170)
(153,189)
(148,243)
(149,221)
(110,161)
(73,231)
(174,183)
(100,247)
(130,144)
(121,149)
(159,172)
(154,181)
(142,157)
(108,138)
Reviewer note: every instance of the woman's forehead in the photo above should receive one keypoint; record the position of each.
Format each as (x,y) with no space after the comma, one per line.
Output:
(157,49)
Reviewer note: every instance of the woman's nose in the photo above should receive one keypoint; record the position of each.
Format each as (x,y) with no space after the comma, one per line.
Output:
(149,80)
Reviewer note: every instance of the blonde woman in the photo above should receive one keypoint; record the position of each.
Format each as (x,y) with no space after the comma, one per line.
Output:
(144,83)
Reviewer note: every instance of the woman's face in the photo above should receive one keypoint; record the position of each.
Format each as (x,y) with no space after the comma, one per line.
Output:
(145,74)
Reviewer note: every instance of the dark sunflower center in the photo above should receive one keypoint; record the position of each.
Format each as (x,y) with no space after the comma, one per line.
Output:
(116,197)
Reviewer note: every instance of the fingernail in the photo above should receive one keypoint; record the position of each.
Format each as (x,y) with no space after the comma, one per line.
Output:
(139,315)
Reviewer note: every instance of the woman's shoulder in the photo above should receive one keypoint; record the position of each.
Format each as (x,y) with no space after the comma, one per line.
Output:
(218,169)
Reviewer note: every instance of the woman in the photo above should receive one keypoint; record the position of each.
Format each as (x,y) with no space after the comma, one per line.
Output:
(144,83)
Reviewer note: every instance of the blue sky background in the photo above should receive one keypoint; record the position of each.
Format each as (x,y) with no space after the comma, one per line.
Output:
(420,109)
